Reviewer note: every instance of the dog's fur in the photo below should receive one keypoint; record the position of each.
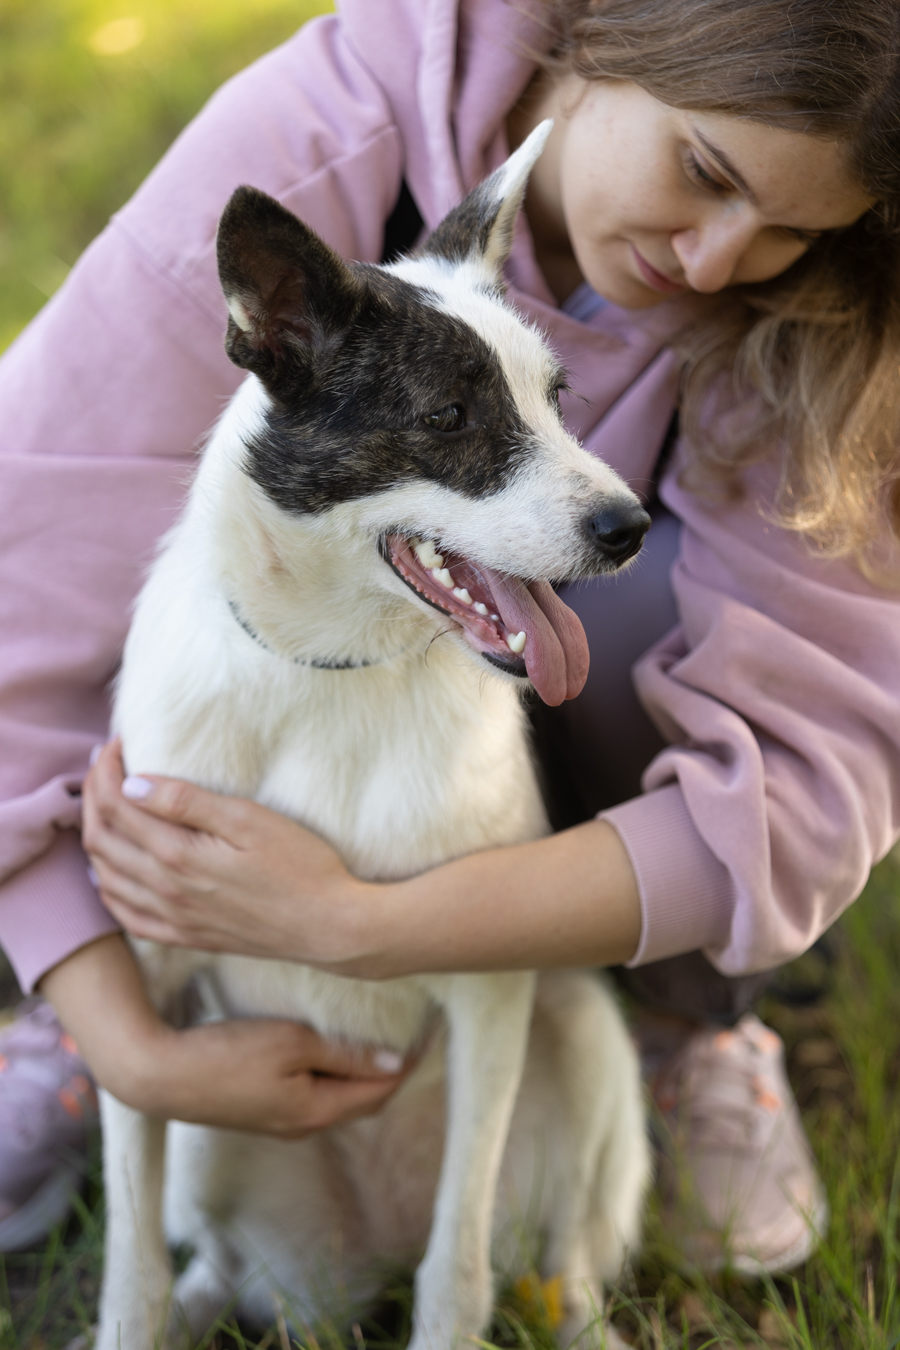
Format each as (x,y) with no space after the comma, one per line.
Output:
(286,648)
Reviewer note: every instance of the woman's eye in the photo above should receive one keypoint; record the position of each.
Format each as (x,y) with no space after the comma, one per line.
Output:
(700,175)
(451,418)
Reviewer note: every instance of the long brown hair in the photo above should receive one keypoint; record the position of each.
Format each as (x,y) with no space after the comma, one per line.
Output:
(820,344)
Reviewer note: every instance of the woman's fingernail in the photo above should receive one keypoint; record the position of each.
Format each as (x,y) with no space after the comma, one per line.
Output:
(95,755)
(136,788)
(93,878)
(388,1061)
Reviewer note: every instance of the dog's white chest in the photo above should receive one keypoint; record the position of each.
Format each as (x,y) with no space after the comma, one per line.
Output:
(398,787)
(391,1013)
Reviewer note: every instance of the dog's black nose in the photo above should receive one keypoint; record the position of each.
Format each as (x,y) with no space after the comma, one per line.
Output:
(618,531)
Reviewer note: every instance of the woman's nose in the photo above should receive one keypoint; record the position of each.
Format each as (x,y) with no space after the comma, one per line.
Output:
(709,254)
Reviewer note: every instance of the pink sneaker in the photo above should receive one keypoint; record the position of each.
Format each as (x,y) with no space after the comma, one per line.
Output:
(47,1103)
(738,1179)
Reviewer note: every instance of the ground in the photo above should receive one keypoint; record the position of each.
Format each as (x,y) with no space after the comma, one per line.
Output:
(91,92)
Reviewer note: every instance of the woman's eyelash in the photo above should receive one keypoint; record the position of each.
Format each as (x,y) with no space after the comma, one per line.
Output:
(802,236)
(700,175)
(703,178)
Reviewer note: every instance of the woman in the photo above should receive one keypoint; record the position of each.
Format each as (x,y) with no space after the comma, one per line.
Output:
(709,226)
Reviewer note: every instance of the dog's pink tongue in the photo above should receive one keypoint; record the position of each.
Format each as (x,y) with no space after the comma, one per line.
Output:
(556,650)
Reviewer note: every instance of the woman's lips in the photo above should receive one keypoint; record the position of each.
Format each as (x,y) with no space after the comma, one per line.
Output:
(657,280)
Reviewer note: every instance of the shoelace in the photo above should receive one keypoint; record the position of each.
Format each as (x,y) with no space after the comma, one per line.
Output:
(723,1089)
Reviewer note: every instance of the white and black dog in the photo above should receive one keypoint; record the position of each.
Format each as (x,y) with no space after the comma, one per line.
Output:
(340,626)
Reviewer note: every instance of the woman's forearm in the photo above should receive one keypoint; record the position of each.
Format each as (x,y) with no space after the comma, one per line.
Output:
(568,900)
(99,996)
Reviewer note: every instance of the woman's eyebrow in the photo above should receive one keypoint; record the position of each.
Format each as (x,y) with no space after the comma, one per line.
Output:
(727,167)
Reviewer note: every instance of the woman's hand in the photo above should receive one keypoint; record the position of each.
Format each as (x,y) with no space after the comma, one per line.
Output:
(192,868)
(268,1076)
(197,869)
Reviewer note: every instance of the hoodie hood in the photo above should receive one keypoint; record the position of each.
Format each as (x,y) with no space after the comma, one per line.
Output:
(451,70)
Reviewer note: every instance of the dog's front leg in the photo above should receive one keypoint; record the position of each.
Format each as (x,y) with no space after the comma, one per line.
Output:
(137,1278)
(489,1018)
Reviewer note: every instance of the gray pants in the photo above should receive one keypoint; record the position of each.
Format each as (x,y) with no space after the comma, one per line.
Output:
(594,749)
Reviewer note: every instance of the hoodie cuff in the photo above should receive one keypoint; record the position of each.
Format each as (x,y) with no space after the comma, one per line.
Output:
(49,910)
(687,895)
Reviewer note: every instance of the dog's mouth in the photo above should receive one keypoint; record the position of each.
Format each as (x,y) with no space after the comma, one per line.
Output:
(523,628)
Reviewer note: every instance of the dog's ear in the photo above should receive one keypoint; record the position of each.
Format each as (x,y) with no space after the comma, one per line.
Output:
(481,228)
(288,293)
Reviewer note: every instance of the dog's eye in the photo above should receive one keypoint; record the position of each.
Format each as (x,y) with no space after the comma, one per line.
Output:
(451,418)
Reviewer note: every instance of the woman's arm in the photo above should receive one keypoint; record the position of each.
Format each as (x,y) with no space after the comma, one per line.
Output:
(271,1076)
(192,868)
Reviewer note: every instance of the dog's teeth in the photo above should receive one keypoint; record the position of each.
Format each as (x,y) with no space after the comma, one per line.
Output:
(517,644)
(462,594)
(496,618)
(480,609)
(426,553)
(443,576)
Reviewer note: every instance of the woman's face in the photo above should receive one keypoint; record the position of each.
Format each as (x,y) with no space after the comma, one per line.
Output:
(651,201)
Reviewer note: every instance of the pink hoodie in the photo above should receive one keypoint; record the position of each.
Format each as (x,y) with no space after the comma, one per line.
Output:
(779,690)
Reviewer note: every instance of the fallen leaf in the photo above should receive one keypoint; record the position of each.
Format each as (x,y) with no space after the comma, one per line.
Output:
(541,1297)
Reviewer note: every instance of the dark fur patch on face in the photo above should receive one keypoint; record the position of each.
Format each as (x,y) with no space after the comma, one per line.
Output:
(349,415)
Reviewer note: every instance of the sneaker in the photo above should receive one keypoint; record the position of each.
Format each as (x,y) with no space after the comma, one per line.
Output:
(47,1105)
(739,1184)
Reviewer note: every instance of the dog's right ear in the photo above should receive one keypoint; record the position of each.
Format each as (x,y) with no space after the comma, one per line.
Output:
(287,291)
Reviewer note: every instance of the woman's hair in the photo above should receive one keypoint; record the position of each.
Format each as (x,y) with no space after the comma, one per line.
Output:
(820,344)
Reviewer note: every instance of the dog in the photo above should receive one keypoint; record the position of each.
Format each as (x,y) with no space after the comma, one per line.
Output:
(340,626)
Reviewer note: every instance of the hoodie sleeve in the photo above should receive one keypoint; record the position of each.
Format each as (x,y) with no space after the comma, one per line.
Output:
(103,402)
(780,694)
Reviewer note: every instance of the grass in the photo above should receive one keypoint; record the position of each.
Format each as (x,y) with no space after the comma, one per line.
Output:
(844,1060)
(91,94)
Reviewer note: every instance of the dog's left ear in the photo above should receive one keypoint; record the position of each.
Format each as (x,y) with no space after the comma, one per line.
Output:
(481,228)
(288,293)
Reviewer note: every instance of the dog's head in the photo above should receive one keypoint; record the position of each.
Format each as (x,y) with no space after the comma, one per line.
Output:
(417,394)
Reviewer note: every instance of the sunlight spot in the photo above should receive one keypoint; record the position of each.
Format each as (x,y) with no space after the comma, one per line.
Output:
(121,35)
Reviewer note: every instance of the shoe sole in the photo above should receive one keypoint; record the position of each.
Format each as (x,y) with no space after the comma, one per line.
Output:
(787,1259)
(49,1205)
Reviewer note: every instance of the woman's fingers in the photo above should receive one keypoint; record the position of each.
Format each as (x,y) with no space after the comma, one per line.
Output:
(250,881)
(342,1059)
(272,1076)
(106,811)
(128,798)
(337,1100)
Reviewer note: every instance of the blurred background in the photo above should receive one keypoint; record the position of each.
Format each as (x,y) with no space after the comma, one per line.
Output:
(91,94)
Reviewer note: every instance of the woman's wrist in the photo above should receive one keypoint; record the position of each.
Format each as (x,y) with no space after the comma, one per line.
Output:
(359,932)
(100,999)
